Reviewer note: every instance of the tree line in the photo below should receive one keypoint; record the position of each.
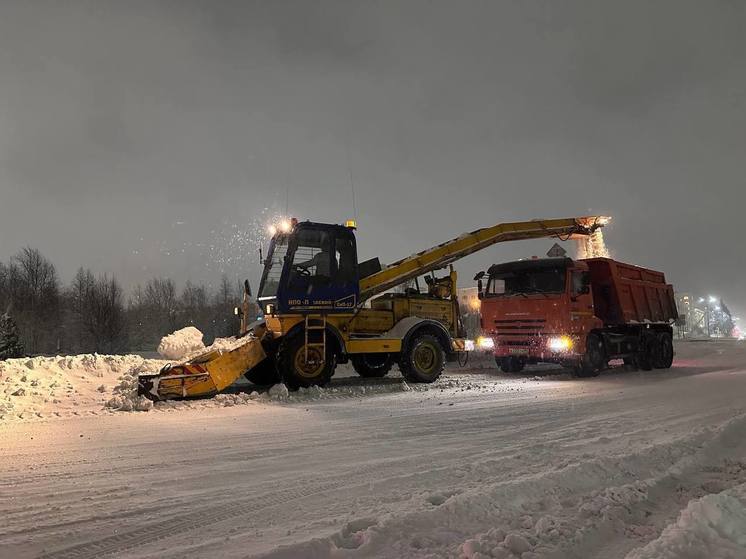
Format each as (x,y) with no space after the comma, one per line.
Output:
(93,313)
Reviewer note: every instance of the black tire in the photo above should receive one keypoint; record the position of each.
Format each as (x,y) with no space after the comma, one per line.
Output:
(646,355)
(423,359)
(291,364)
(630,363)
(511,364)
(264,374)
(594,358)
(664,351)
(372,365)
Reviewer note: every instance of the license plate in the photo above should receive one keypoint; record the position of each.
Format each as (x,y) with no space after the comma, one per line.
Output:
(518,351)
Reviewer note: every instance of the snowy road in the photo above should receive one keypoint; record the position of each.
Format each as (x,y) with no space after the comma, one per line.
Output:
(481,465)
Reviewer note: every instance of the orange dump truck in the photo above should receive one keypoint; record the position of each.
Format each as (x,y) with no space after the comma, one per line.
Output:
(579,313)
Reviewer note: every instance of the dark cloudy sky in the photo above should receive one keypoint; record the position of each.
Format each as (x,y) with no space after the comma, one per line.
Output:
(148,138)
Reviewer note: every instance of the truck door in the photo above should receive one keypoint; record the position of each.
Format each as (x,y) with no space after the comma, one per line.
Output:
(320,272)
(581,298)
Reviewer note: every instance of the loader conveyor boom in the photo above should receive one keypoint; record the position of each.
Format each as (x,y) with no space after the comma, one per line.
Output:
(446,253)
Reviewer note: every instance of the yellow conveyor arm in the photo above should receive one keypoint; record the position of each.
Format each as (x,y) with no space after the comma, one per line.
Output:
(440,256)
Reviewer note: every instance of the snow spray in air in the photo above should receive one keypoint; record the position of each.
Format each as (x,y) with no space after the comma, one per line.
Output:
(593,246)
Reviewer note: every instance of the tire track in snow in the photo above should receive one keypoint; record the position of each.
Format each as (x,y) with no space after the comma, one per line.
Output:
(196,520)
(200,518)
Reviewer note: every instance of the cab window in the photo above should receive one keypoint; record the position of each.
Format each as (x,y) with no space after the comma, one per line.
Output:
(323,258)
(312,259)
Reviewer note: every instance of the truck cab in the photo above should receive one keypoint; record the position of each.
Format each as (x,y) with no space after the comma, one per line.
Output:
(537,310)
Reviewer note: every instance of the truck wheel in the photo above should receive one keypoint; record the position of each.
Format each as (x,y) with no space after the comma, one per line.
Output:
(630,363)
(511,364)
(664,351)
(264,374)
(646,355)
(594,359)
(298,372)
(423,359)
(372,365)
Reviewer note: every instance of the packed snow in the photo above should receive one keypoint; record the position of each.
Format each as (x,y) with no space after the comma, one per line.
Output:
(178,345)
(52,387)
(479,465)
(187,343)
(713,526)
(49,387)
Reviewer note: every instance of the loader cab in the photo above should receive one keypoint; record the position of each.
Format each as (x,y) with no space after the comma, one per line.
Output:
(311,268)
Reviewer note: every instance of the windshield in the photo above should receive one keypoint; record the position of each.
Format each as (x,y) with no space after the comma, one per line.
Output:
(526,282)
(273,267)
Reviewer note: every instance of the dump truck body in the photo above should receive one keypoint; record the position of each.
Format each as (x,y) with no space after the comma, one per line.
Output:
(625,294)
(579,313)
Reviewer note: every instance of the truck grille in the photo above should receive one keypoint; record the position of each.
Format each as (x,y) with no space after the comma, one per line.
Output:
(520,332)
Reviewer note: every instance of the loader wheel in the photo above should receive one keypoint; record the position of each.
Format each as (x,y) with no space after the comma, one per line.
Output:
(423,359)
(664,351)
(511,364)
(264,374)
(296,371)
(594,359)
(372,365)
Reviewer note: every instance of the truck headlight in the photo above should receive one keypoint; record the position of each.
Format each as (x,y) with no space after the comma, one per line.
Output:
(560,344)
(269,309)
(485,343)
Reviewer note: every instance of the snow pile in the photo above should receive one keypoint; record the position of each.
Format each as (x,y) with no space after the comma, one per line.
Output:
(278,392)
(224,345)
(187,343)
(181,343)
(713,527)
(55,386)
(125,397)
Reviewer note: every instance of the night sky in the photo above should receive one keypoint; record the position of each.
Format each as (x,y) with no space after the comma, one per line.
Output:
(158,138)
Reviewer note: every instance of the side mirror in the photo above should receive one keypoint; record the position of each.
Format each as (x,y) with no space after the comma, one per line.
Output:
(480,289)
(479,276)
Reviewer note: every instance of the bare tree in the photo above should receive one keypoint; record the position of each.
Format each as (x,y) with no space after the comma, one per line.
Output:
(194,307)
(104,319)
(137,320)
(77,308)
(160,304)
(4,295)
(225,300)
(34,294)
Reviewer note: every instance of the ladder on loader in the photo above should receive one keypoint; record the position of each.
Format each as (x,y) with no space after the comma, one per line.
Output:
(315,327)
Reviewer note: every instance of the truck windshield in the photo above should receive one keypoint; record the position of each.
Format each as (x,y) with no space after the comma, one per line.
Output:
(273,267)
(526,282)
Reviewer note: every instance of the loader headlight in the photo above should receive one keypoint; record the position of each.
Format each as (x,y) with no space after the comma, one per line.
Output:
(269,309)
(485,343)
(560,344)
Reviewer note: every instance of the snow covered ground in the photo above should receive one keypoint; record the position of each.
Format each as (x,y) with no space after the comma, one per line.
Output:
(634,465)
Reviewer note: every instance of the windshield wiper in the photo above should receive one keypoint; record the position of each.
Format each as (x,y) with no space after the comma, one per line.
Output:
(535,290)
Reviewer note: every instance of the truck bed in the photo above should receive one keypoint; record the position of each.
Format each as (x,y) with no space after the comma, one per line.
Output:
(625,294)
